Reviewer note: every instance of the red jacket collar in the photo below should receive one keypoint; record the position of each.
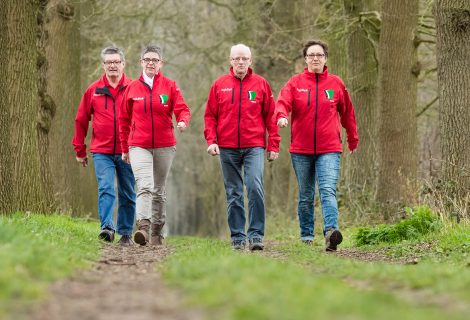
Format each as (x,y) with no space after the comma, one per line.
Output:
(322,75)
(123,82)
(249,73)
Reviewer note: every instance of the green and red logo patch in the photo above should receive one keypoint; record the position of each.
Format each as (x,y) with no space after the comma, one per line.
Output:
(251,95)
(163,98)
(330,94)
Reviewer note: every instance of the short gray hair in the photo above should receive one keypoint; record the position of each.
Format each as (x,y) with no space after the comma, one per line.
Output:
(151,48)
(112,50)
(241,47)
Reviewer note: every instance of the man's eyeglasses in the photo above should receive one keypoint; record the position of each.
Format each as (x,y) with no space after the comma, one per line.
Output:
(238,59)
(315,55)
(109,63)
(148,60)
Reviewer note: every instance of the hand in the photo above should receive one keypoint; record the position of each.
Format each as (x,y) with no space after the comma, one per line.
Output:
(282,122)
(213,149)
(272,155)
(181,126)
(83,161)
(352,151)
(125,158)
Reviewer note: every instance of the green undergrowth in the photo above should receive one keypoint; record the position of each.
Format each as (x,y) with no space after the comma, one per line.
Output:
(301,283)
(419,222)
(38,249)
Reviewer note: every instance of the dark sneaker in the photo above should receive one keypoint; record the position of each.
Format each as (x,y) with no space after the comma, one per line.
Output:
(126,241)
(238,245)
(332,238)
(256,244)
(107,235)
(307,242)
(141,236)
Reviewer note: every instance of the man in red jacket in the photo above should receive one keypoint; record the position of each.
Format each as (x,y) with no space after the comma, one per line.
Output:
(238,113)
(101,103)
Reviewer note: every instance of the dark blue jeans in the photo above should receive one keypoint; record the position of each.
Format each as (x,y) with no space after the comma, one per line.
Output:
(107,167)
(325,168)
(251,161)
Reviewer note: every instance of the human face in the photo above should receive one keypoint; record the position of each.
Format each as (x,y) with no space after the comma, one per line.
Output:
(240,60)
(315,58)
(113,66)
(151,64)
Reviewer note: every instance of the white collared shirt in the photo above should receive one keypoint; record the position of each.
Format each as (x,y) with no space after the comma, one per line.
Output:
(148,80)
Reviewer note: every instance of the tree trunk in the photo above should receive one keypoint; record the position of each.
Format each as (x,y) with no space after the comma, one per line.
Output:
(453,65)
(21,90)
(398,84)
(362,82)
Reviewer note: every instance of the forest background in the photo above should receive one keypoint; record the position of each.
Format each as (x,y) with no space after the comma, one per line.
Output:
(405,63)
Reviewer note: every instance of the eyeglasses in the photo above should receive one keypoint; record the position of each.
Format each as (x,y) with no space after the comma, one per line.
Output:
(238,59)
(148,60)
(109,63)
(315,55)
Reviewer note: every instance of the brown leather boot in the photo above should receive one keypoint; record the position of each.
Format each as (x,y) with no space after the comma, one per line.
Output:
(141,236)
(156,237)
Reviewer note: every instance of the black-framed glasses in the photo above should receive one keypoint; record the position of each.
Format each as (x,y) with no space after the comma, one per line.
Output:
(315,55)
(148,60)
(238,59)
(110,63)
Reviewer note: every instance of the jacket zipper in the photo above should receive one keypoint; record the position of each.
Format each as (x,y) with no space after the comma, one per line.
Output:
(151,116)
(239,112)
(308,101)
(115,126)
(145,104)
(316,116)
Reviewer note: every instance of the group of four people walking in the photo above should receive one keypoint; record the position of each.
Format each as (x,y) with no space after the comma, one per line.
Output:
(133,136)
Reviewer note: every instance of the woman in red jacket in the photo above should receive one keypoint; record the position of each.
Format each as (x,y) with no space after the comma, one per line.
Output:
(319,105)
(148,140)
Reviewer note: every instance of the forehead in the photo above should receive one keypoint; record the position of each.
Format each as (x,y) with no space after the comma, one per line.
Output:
(112,57)
(315,49)
(151,55)
(240,52)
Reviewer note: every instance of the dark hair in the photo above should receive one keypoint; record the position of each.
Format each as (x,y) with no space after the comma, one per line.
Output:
(313,43)
(112,50)
(151,48)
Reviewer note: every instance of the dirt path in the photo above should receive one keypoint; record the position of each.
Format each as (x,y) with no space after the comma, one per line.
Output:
(123,284)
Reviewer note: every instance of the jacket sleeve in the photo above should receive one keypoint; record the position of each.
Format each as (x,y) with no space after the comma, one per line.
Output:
(82,120)
(125,119)
(348,119)
(284,102)
(180,108)
(268,113)
(211,117)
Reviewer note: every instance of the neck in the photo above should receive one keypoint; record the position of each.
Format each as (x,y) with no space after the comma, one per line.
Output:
(114,81)
(240,76)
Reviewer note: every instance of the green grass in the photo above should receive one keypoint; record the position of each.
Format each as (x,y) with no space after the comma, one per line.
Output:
(38,249)
(311,284)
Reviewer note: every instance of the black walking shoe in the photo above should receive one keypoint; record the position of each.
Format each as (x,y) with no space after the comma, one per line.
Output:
(238,245)
(256,244)
(107,235)
(332,238)
(126,241)
(307,242)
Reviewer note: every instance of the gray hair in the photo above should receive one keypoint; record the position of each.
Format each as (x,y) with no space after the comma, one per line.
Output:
(151,48)
(112,50)
(240,46)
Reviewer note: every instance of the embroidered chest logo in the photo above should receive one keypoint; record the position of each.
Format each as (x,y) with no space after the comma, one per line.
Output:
(252,96)
(164,99)
(138,98)
(330,94)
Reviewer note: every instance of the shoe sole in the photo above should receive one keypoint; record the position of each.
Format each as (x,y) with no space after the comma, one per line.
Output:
(139,238)
(105,236)
(256,247)
(335,239)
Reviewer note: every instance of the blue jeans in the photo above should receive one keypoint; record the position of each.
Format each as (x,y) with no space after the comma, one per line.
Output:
(107,166)
(252,162)
(325,168)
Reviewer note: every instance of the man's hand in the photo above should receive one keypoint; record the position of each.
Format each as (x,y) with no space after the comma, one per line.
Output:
(125,158)
(282,122)
(83,161)
(181,126)
(272,155)
(213,149)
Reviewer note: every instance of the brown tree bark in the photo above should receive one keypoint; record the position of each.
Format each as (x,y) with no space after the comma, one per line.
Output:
(362,82)
(398,85)
(453,65)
